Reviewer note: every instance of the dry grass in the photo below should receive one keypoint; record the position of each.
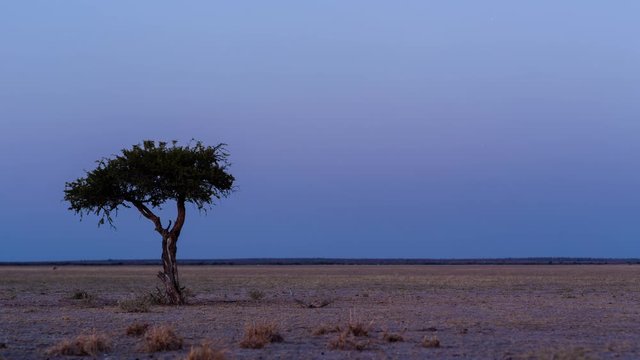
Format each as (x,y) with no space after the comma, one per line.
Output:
(206,351)
(161,338)
(83,345)
(324,329)
(257,335)
(431,342)
(348,338)
(345,341)
(140,304)
(357,327)
(137,329)
(392,337)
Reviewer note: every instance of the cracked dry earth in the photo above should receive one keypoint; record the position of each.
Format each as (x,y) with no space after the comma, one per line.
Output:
(475,312)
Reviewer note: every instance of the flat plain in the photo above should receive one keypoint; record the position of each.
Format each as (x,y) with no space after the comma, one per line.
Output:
(463,312)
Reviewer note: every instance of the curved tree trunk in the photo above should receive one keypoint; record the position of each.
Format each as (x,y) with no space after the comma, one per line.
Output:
(169,273)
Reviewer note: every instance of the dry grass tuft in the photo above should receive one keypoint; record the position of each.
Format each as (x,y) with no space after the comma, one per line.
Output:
(256,336)
(83,345)
(430,342)
(139,304)
(137,329)
(357,328)
(348,338)
(344,341)
(206,351)
(324,329)
(161,338)
(392,337)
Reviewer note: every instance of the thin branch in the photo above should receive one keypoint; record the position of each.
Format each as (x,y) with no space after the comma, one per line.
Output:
(146,212)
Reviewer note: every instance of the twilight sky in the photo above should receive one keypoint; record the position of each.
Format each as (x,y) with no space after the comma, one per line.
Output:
(431,129)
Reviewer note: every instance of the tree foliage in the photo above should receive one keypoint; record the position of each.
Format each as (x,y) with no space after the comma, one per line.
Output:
(149,174)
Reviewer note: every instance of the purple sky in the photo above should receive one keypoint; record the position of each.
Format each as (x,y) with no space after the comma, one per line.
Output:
(357,128)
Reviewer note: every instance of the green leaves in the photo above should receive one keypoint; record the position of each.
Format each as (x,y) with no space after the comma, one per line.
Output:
(152,173)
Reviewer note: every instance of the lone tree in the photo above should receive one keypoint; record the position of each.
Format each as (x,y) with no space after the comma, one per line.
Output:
(147,176)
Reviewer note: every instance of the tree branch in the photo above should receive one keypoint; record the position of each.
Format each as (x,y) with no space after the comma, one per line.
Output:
(146,212)
(182,212)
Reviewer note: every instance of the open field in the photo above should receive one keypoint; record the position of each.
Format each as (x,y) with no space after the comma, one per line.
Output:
(487,312)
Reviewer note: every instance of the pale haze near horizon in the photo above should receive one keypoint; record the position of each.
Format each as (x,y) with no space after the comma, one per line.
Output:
(411,129)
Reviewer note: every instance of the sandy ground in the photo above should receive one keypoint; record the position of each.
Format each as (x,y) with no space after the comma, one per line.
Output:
(476,312)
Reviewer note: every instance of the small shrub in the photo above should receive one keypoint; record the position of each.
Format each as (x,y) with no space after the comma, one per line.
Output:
(430,342)
(83,345)
(140,304)
(392,337)
(256,295)
(161,338)
(206,352)
(137,329)
(83,297)
(256,336)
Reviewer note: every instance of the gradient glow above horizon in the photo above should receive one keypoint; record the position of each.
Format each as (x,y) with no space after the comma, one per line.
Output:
(414,129)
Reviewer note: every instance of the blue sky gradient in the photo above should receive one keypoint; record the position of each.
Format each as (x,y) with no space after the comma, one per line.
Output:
(430,129)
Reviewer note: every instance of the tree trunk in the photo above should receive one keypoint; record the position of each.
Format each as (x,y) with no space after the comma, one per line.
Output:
(169,275)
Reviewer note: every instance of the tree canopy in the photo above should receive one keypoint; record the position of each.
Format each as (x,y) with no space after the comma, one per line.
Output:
(149,174)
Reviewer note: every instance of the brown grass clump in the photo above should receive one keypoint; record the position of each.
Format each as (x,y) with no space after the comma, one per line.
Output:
(206,352)
(140,304)
(83,345)
(256,336)
(392,337)
(357,328)
(346,342)
(137,329)
(324,329)
(430,342)
(161,338)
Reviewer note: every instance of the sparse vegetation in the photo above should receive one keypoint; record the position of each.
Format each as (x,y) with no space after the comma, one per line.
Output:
(206,351)
(258,335)
(137,329)
(83,345)
(161,338)
(453,299)
(256,295)
(324,329)
(392,337)
(348,339)
(81,295)
(345,341)
(139,304)
(431,342)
